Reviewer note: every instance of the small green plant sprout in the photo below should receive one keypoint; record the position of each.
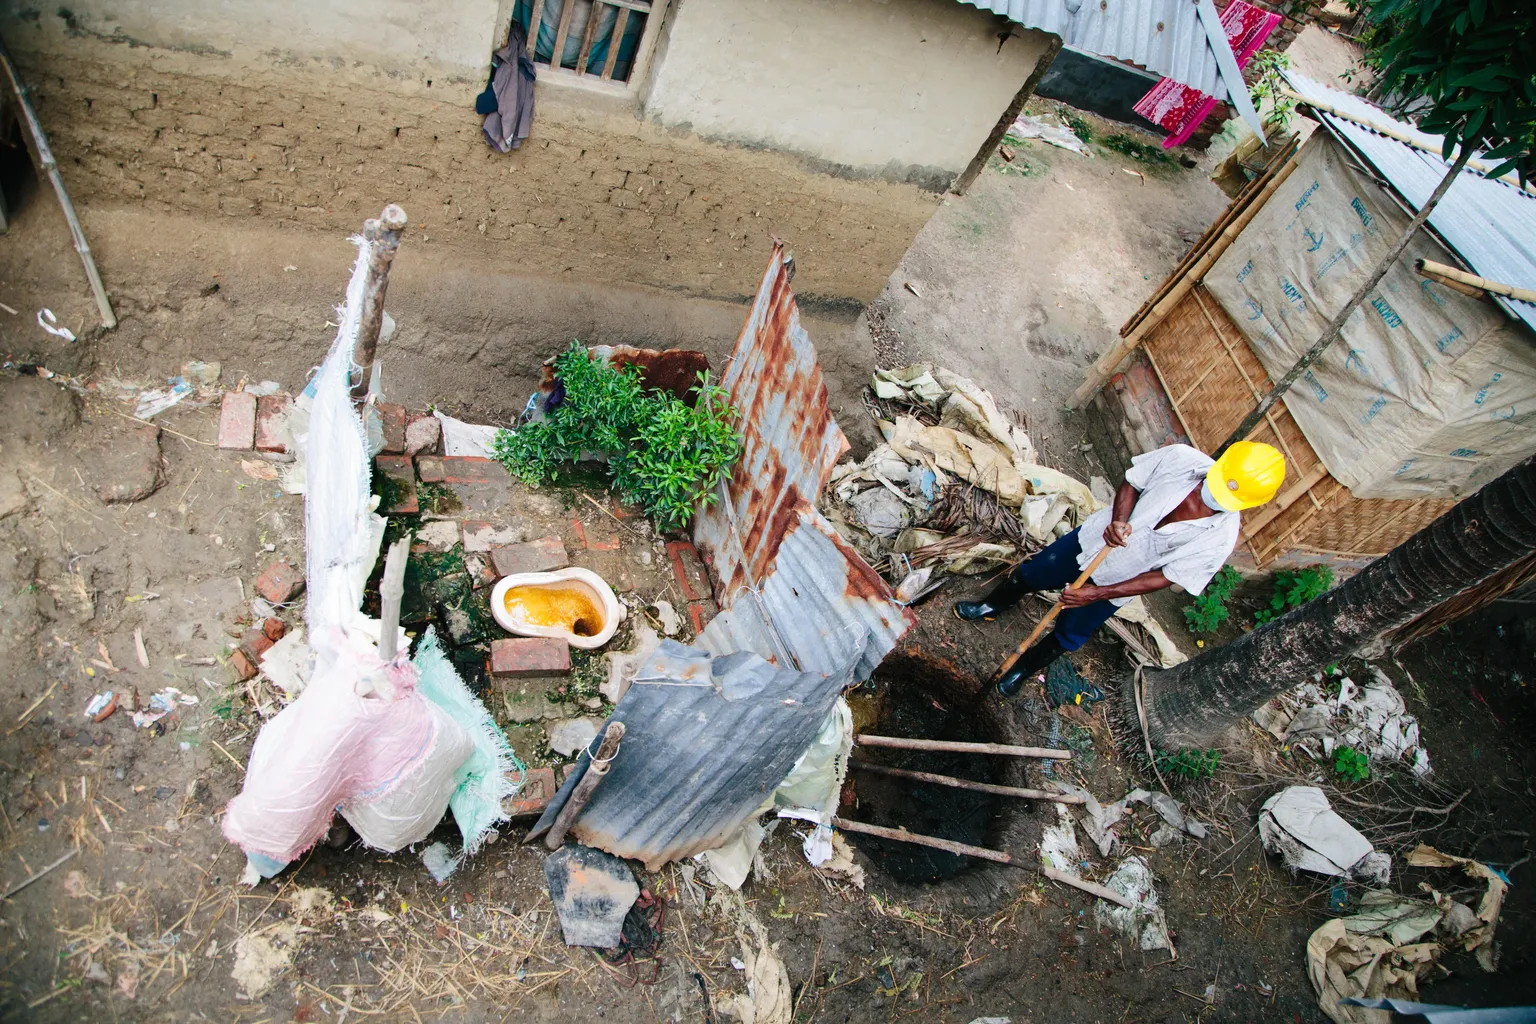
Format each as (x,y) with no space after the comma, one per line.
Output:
(1189,765)
(1351,764)
(663,454)
(1269,89)
(1294,588)
(1210,609)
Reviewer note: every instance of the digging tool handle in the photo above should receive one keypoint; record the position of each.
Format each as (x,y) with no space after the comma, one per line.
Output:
(1050,616)
(960,747)
(598,766)
(950,780)
(901,835)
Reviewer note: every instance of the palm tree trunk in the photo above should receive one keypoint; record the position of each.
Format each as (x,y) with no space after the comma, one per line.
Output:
(1192,704)
(1336,325)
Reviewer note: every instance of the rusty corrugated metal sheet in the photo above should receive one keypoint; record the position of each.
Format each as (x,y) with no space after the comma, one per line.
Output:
(707,740)
(792,589)
(791,441)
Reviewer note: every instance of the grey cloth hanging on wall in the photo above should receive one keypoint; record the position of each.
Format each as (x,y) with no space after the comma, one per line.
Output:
(512,83)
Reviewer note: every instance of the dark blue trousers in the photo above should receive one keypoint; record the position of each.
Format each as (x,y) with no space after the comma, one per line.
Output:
(1055,568)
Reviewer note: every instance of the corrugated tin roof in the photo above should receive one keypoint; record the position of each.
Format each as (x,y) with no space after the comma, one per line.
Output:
(1490,224)
(707,740)
(1164,36)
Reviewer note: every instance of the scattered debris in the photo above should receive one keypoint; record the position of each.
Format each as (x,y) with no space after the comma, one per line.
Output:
(1048,130)
(570,735)
(592,892)
(1474,933)
(1099,821)
(624,665)
(671,621)
(909,286)
(288,663)
(153,402)
(440,863)
(261,956)
(460,438)
(1372,719)
(1300,825)
(1146,924)
(160,705)
(50,323)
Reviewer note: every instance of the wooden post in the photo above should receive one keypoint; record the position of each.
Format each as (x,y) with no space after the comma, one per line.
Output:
(44,155)
(982,853)
(383,236)
(994,137)
(951,781)
(957,747)
(597,767)
(391,593)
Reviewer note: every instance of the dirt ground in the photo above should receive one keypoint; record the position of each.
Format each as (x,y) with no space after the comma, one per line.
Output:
(147,920)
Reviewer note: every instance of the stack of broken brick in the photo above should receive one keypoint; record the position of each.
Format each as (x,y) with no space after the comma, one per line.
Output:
(248,422)
(278,585)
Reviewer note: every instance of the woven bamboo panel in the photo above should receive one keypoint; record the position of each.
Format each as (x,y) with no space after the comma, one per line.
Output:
(1213,380)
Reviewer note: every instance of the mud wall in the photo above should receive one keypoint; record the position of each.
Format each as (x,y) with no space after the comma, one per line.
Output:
(906,89)
(596,194)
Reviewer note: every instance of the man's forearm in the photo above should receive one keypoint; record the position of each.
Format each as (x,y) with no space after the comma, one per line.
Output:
(1125,501)
(1143,584)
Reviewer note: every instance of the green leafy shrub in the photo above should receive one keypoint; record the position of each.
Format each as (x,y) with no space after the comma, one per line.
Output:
(1188,764)
(1081,128)
(663,455)
(1210,609)
(1351,764)
(1293,588)
(1147,153)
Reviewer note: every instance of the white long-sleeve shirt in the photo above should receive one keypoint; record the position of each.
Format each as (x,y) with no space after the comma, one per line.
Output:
(1188,552)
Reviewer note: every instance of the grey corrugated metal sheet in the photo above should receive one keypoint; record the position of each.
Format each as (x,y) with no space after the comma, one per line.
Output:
(707,740)
(1164,36)
(1490,224)
(823,605)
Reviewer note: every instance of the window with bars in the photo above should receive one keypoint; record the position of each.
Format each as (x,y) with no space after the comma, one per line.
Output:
(597,39)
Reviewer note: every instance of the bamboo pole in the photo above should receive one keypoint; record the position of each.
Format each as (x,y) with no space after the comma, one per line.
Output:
(597,767)
(1050,616)
(383,236)
(1105,366)
(957,747)
(50,167)
(1431,269)
(954,783)
(982,853)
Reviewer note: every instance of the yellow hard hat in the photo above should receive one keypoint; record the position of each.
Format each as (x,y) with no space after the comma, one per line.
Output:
(1247,475)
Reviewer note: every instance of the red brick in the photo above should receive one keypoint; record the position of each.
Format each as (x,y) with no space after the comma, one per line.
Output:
(399,470)
(280,583)
(537,791)
(542,555)
(270,412)
(243,666)
(459,469)
(481,536)
(237,421)
(423,434)
(701,612)
(529,656)
(255,643)
(392,421)
(274,629)
(689,570)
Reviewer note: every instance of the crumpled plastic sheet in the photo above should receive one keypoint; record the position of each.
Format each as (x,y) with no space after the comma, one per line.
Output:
(1372,719)
(1299,824)
(1099,821)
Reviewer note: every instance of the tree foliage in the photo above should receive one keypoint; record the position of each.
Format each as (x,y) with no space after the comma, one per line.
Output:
(1472,62)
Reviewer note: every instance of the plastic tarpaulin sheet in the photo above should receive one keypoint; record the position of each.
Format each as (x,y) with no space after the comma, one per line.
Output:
(1429,392)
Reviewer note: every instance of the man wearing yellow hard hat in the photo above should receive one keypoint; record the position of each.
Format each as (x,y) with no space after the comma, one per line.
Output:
(1174,520)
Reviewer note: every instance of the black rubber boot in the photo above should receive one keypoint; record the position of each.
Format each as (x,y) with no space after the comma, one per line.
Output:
(1004,596)
(1031,661)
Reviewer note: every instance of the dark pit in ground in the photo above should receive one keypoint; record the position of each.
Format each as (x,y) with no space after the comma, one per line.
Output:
(918,697)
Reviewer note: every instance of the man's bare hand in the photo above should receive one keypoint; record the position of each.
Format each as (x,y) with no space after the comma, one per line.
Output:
(1085,594)
(1117,533)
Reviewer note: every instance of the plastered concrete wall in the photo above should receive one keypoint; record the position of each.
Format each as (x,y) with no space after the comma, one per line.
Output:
(902,88)
(403,40)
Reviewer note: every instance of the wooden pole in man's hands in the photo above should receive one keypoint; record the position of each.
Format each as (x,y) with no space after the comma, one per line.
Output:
(1050,616)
